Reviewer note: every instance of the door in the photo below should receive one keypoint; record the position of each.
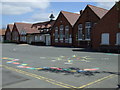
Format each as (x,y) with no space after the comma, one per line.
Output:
(48,40)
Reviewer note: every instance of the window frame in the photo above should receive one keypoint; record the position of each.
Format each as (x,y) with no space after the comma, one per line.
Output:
(103,35)
(88,26)
(56,36)
(61,34)
(67,34)
(118,38)
(80,31)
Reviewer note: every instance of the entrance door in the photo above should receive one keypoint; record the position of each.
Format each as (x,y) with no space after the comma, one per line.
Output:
(48,40)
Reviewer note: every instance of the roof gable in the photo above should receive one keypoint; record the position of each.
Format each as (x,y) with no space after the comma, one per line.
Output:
(10,26)
(25,27)
(100,12)
(112,13)
(71,17)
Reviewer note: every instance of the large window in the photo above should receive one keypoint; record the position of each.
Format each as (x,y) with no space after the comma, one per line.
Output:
(88,30)
(66,34)
(56,34)
(118,38)
(80,32)
(23,38)
(105,39)
(70,39)
(61,32)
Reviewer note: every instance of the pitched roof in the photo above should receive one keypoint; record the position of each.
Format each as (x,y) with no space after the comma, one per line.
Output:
(10,26)
(26,27)
(71,17)
(46,24)
(100,12)
(2,31)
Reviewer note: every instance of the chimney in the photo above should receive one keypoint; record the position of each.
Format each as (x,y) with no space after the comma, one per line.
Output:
(81,11)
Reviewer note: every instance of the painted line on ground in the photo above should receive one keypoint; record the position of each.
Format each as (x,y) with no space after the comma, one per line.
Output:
(40,77)
(97,81)
(56,82)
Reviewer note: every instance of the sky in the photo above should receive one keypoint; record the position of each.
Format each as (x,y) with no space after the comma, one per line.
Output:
(38,11)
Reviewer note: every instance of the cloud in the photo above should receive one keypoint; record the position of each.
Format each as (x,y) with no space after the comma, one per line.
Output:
(42,16)
(106,5)
(18,7)
(15,10)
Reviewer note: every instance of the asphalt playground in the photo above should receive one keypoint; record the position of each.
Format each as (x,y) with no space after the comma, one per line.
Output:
(106,75)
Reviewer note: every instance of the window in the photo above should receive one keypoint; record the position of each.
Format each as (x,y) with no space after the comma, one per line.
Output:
(105,39)
(23,32)
(66,34)
(70,39)
(80,32)
(118,38)
(23,38)
(61,32)
(36,38)
(40,38)
(56,34)
(88,30)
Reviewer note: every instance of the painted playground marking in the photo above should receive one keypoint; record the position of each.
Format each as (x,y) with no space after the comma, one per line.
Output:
(54,82)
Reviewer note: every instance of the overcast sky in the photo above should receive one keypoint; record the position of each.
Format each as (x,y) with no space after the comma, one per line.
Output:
(32,11)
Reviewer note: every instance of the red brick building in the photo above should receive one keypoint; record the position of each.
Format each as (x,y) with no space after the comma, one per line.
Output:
(8,32)
(45,31)
(22,32)
(2,35)
(83,27)
(63,28)
(106,34)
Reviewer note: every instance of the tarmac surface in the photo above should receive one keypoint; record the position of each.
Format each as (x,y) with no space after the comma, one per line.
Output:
(47,56)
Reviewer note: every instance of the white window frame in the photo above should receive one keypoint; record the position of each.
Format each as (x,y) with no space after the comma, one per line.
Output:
(61,33)
(80,32)
(67,34)
(106,40)
(118,38)
(56,32)
(87,30)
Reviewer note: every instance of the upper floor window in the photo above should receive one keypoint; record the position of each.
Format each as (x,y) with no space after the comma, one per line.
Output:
(88,24)
(88,30)
(23,32)
(118,38)
(80,32)
(105,39)
(66,34)
(56,34)
(61,32)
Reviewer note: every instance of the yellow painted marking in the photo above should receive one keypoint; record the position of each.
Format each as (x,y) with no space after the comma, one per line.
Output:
(41,77)
(56,82)
(99,80)
(4,58)
(22,44)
